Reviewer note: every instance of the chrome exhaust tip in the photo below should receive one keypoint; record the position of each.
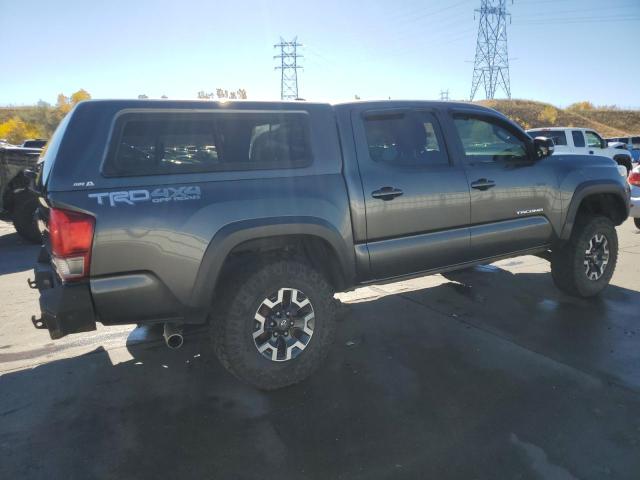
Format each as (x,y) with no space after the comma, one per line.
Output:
(173,335)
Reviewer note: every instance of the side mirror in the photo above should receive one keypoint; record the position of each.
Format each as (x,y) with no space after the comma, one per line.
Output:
(603,144)
(544,147)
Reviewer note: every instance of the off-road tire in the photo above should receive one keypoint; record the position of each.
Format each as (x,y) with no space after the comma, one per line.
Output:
(23,216)
(231,328)
(567,262)
(636,222)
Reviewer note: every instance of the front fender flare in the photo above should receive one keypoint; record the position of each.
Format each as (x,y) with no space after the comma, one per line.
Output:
(591,187)
(234,234)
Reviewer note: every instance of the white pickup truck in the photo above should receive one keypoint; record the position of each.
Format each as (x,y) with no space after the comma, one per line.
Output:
(582,141)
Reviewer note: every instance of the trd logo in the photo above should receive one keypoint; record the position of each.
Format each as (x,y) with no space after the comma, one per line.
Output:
(158,195)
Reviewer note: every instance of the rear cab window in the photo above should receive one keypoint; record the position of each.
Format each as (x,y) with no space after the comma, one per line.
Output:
(159,143)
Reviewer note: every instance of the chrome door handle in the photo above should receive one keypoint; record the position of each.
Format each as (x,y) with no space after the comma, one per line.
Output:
(387,193)
(483,184)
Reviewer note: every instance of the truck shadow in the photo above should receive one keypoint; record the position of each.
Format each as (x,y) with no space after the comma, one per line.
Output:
(18,254)
(429,382)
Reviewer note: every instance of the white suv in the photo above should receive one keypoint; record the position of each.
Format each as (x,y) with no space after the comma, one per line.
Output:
(582,141)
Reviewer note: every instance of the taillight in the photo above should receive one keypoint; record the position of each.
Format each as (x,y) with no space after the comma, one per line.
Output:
(634,178)
(71,235)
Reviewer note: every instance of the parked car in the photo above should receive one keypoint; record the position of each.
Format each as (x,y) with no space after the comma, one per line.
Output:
(631,143)
(281,204)
(17,202)
(582,141)
(634,181)
(34,143)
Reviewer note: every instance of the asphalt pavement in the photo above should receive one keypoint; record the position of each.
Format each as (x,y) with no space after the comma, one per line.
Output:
(489,373)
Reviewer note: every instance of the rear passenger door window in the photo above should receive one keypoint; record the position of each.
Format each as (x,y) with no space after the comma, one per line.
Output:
(578,138)
(405,139)
(176,143)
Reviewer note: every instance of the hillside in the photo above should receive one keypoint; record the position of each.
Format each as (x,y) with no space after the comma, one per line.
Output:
(530,114)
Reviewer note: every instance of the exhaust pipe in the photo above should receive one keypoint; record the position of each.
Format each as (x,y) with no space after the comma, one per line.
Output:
(173,335)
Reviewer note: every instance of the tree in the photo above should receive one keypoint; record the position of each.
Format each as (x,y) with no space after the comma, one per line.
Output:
(16,130)
(79,96)
(581,106)
(548,115)
(142,96)
(241,94)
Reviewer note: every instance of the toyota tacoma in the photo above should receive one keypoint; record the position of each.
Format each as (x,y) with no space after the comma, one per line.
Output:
(249,216)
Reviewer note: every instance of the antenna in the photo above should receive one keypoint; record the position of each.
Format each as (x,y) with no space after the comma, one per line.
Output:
(491,65)
(288,68)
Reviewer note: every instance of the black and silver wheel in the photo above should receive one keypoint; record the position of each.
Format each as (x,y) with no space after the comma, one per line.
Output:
(275,325)
(284,325)
(584,266)
(596,257)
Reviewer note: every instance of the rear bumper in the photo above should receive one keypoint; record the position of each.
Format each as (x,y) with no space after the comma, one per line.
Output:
(64,308)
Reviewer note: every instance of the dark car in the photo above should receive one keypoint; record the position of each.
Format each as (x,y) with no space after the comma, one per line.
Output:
(18,203)
(35,143)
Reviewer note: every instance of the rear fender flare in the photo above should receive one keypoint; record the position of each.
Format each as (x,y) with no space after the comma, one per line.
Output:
(237,233)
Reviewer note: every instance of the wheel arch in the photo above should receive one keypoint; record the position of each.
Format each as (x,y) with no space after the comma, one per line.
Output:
(623,160)
(598,197)
(312,237)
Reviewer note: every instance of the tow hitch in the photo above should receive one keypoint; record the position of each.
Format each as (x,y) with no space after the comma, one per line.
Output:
(38,323)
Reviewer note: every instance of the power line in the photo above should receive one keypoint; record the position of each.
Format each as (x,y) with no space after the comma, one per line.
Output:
(491,64)
(288,68)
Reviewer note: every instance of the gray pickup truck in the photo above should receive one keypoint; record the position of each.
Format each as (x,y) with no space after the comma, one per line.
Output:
(249,216)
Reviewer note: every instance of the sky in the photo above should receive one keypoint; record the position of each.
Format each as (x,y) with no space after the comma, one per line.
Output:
(561,51)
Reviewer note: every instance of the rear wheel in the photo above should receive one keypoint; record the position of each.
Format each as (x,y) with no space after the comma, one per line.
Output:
(636,222)
(584,266)
(24,217)
(276,324)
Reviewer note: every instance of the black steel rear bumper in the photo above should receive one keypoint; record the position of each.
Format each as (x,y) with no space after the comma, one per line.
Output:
(64,308)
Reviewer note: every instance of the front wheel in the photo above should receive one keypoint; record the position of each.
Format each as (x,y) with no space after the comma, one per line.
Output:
(275,325)
(584,266)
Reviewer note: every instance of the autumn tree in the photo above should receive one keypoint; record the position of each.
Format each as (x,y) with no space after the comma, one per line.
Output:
(16,130)
(581,106)
(548,115)
(41,120)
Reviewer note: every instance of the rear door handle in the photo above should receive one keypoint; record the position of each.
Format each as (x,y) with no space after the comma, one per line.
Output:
(591,152)
(387,193)
(483,184)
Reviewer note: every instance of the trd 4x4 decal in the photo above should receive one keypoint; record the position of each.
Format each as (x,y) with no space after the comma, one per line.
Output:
(157,195)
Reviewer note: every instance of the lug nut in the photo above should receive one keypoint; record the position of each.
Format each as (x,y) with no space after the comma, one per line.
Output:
(291,323)
(275,334)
